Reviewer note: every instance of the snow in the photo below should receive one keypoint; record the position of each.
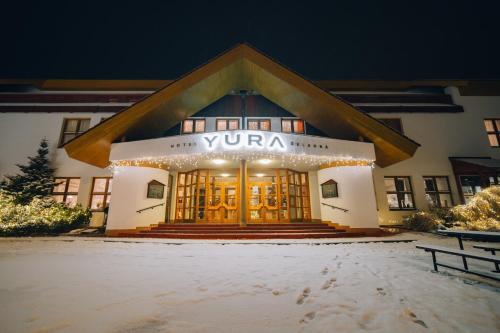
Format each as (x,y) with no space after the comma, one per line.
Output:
(71,284)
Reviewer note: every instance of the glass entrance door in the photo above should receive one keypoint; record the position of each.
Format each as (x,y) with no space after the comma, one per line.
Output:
(262,195)
(213,196)
(223,194)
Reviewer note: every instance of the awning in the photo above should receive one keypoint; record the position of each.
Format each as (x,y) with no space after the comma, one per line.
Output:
(479,164)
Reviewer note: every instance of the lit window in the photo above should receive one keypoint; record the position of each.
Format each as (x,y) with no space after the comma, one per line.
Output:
(73,128)
(101,193)
(66,190)
(437,191)
(292,126)
(193,126)
(259,124)
(399,193)
(227,124)
(493,129)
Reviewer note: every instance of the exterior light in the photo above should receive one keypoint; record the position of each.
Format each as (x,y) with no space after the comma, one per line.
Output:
(260,175)
(265,161)
(218,161)
(224,175)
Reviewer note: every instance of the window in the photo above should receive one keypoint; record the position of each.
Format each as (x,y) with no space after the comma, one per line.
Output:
(259,124)
(493,129)
(399,193)
(394,123)
(193,126)
(66,190)
(470,186)
(228,124)
(494,180)
(101,193)
(292,126)
(73,128)
(437,191)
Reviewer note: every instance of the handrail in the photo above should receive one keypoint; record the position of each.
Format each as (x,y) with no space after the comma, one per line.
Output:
(335,207)
(141,210)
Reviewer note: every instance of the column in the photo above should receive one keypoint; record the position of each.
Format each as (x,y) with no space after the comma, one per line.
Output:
(243,193)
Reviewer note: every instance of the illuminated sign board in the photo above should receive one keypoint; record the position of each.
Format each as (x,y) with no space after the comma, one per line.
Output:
(246,140)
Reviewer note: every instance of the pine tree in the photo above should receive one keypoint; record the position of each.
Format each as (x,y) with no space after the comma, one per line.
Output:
(36,179)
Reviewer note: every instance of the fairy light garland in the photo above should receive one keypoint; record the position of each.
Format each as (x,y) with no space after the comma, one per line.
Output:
(182,161)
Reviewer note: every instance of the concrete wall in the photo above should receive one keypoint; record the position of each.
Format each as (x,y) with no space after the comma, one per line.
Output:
(20,134)
(356,193)
(441,135)
(129,194)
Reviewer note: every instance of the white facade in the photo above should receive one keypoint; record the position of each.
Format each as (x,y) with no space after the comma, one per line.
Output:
(361,188)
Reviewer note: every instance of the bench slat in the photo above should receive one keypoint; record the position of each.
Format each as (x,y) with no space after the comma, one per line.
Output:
(487,247)
(462,253)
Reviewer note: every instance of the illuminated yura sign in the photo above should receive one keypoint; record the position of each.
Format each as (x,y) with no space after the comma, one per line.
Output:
(246,140)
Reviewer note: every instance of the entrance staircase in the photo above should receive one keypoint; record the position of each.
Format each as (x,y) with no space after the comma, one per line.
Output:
(235,231)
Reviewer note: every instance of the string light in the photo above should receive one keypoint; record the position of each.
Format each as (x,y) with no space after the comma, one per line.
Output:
(183,161)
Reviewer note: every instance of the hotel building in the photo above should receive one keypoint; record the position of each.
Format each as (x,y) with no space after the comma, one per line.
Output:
(242,139)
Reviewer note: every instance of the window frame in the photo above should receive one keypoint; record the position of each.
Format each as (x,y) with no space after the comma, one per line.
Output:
(76,133)
(401,192)
(259,122)
(194,120)
(496,131)
(293,126)
(66,187)
(227,119)
(106,193)
(437,191)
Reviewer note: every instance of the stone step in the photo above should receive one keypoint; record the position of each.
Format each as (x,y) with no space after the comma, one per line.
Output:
(241,236)
(242,231)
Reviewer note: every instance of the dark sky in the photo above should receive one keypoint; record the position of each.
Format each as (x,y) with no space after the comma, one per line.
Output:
(322,40)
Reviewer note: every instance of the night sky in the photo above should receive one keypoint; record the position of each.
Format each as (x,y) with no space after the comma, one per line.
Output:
(321,40)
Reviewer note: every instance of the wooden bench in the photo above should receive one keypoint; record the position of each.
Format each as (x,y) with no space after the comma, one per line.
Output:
(461,253)
(491,248)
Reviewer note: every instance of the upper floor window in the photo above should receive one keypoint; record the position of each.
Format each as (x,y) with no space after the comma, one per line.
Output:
(193,126)
(66,190)
(101,193)
(227,124)
(399,193)
(259,124)
(437,191)
(394,123)
(73,128)
(493,130)
(292,126)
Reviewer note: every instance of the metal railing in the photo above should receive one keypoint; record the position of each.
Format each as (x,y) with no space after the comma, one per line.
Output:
(141,210)
(335,207)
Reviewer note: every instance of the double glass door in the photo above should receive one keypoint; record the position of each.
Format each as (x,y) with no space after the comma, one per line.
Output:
(262,194)
(222,203)
(213,196)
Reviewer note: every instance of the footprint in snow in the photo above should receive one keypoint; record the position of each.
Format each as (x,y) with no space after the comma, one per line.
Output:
(414,318)
(328,283)
(324,271)
(381,291)
(308,317)
(302,297)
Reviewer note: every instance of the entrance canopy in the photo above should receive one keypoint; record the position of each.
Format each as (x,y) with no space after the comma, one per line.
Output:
(240,68)
(191,151)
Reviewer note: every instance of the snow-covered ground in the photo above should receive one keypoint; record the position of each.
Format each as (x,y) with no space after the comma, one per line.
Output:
(117,285)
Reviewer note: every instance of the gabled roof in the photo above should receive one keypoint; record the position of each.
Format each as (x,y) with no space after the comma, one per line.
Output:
(240,68)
